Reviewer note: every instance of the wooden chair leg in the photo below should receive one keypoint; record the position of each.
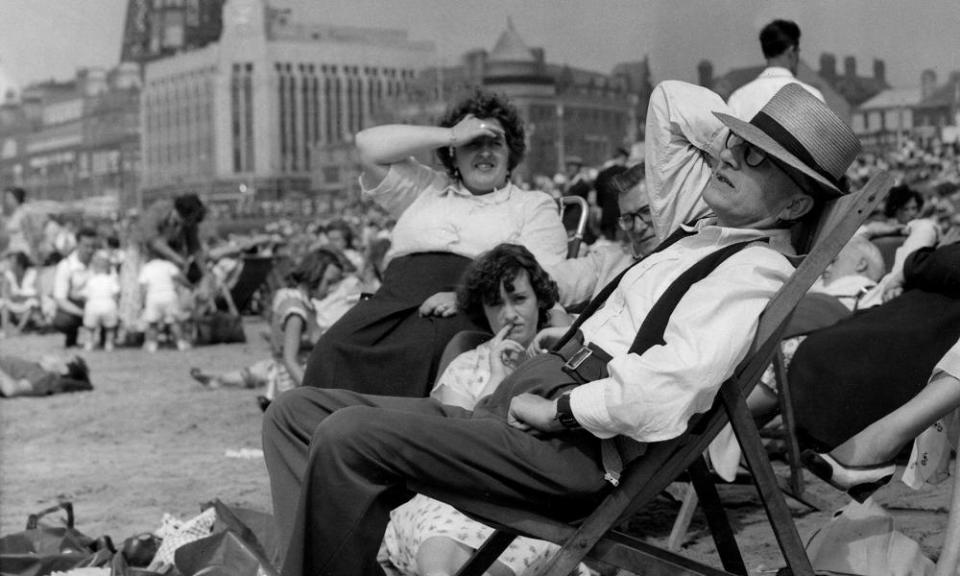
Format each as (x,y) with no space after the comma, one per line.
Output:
(949,562)
(485,556)
(682,523)
(794,486)
(777,511)
(786,413)
(717,518)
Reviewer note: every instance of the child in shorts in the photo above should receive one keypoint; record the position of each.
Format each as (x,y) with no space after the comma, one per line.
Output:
(100,309)
(161,302)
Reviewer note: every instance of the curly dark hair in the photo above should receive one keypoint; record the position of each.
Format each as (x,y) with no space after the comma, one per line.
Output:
(312,267)
(481,281)
(898,197)
(486,105)
(190,208)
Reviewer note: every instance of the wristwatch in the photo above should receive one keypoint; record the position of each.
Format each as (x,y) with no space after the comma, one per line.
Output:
(565,414)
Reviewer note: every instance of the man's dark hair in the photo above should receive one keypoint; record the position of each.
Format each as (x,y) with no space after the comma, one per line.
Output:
(19,194)
(485,105)
(481,281)
(86,232)
(777,36)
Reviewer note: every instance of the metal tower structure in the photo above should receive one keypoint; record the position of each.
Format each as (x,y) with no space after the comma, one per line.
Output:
(158,28)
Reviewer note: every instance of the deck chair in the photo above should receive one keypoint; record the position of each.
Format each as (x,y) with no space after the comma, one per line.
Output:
(573,245)
(596,536)
(460,343)
(888,246)
(253,274)
(813,312)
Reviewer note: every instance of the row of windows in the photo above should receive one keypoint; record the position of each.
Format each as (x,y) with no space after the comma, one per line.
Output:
(177,116)
(323,109)
(241,118)
(307,68)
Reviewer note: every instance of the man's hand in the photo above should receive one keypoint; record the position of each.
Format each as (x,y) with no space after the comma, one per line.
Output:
(532,412)
(545,339)
(441,304)
(891,286)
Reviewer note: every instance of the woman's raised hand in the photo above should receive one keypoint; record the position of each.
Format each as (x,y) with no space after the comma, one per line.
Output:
(443,304)
(470,128)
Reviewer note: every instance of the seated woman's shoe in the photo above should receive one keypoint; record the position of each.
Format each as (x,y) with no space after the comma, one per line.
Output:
(860,482)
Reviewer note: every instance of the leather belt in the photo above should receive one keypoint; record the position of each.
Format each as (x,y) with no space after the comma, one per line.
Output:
(586,363)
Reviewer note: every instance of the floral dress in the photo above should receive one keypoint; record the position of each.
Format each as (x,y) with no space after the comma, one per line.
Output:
(422,517)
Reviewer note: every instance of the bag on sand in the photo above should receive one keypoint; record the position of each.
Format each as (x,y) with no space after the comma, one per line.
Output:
(221,326)
(42,548)
(861,540)
(244,543)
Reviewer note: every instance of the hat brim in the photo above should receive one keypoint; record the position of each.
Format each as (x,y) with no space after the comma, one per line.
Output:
(761,140)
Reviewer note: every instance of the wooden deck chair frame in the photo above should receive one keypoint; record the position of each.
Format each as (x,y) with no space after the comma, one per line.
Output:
(793,486)
(596,536)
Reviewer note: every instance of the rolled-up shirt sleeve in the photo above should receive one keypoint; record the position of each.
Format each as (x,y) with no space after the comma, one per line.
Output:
(651,397)
(682,135)
(542,232)
(402,185)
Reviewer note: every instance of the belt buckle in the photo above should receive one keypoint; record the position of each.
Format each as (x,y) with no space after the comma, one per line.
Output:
(578,358)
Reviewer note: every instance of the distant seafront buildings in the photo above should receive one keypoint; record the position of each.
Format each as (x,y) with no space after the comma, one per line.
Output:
(242,102)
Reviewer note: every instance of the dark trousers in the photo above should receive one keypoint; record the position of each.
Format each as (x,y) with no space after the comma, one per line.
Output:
(69,324)
(339,461)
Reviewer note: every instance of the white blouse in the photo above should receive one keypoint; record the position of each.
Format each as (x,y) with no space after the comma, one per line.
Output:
(436,214)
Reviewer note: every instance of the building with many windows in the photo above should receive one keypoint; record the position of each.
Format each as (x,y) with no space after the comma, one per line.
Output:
(249,116)
(566,110)
(75,140)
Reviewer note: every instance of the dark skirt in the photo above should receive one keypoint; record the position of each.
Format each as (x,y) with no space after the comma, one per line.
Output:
(382,345)
(850,375)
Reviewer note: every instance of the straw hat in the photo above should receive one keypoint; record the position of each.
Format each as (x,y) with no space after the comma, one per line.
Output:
(801,132)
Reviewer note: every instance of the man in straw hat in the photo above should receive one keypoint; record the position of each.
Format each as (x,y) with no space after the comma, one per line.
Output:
(340,461)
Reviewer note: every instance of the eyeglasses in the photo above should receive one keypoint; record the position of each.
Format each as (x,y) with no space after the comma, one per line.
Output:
(628,221)
(754,157)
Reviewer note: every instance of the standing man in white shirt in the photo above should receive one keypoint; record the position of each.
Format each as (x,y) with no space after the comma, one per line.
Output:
(340,461)
(780,41)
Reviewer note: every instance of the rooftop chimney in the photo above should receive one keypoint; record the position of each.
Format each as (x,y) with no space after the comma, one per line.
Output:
(928,83)
(705,73)
(850,67)
(828,65)
(879,71)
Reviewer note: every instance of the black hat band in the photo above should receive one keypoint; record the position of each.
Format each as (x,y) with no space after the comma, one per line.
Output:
(775,130)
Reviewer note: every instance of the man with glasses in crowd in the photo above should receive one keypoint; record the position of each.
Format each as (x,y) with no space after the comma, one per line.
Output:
(340,461)
(579,279)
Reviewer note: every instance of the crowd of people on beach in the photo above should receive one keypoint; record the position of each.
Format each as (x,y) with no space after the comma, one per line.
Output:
(363,398)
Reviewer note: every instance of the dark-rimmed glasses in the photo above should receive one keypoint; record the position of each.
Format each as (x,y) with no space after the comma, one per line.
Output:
(754,157)
(628,221)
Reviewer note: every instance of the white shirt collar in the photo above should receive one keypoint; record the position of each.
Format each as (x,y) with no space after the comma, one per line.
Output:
(776,72)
